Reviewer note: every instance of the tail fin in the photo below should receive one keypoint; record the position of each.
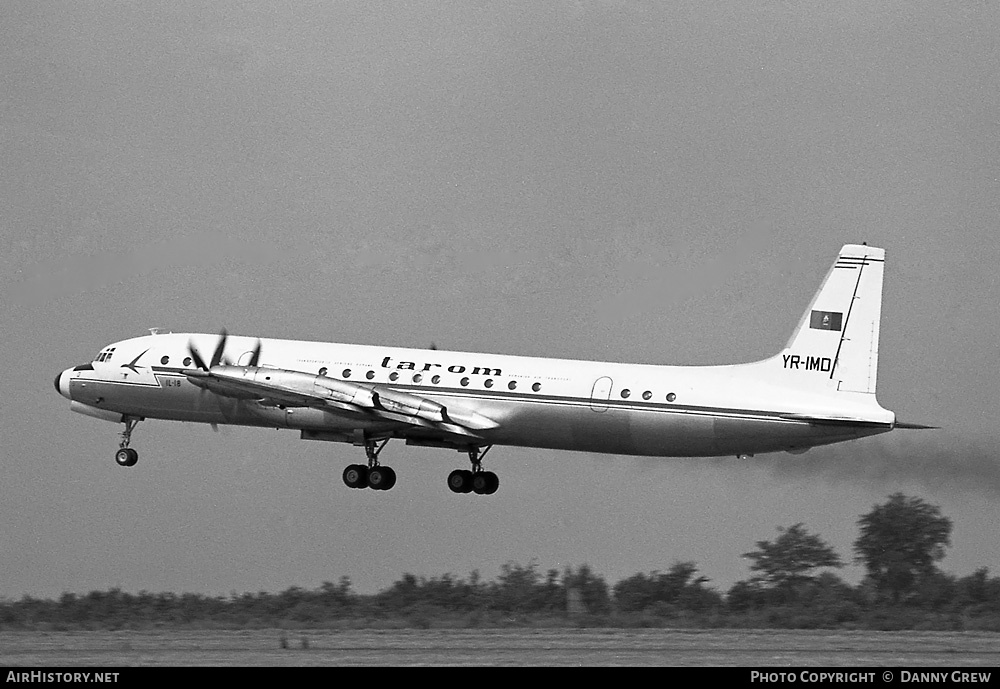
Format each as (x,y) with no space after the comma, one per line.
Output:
(835,346)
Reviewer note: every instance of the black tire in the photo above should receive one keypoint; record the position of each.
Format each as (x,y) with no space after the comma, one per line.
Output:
(492,482)
(460,481)
(480,483)
(356,476)
(378,478)
(126,457)
(391,479)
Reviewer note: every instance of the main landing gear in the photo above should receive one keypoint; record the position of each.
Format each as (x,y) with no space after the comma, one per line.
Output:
(476,481)
(126,456)
(374,476)
(378,477)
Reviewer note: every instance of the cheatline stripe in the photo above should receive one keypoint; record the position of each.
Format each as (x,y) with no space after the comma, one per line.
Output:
(584,402)
(653,407)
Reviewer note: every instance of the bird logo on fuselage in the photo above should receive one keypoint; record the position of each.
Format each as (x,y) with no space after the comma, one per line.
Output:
(131,365)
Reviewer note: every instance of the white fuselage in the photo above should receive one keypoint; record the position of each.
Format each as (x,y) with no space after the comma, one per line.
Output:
(632,409)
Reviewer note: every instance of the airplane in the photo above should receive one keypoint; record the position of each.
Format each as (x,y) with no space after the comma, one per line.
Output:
(819,389)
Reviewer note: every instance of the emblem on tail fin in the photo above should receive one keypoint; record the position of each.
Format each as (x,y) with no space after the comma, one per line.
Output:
(825,320)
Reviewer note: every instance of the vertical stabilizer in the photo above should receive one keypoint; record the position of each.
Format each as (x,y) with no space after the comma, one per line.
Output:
(835,346)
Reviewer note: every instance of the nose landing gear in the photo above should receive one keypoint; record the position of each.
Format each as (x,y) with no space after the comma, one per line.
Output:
(126,456)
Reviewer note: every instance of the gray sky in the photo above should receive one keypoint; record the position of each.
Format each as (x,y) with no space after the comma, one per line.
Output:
(628,181)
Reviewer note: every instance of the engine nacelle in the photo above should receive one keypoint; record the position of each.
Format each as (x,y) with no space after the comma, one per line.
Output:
(405,403)
(226,379)
(331,388)
(343,391)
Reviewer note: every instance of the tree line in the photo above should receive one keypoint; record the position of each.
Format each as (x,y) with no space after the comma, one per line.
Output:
(792,585)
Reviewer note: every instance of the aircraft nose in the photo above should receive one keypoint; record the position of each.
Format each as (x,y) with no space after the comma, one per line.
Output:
(62,383)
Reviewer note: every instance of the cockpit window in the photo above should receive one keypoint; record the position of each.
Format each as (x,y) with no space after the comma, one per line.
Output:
(105,354)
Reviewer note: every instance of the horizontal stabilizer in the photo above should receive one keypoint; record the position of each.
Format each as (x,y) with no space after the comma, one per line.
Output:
(915,426)
(834,420)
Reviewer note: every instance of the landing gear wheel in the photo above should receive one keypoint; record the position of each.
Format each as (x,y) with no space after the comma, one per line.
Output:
(479,483)
(126,457)
(356,476)
(485,483)
(392,478)
(492,482)
(381,478)
(460,481)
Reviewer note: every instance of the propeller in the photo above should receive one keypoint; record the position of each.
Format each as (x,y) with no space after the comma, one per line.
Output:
(255,357)
(217,355)
(219,349)
(217,358)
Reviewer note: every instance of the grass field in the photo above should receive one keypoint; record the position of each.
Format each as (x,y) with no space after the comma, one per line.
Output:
(592,647)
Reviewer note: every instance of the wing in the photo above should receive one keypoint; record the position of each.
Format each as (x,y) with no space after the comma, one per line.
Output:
(284,388)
